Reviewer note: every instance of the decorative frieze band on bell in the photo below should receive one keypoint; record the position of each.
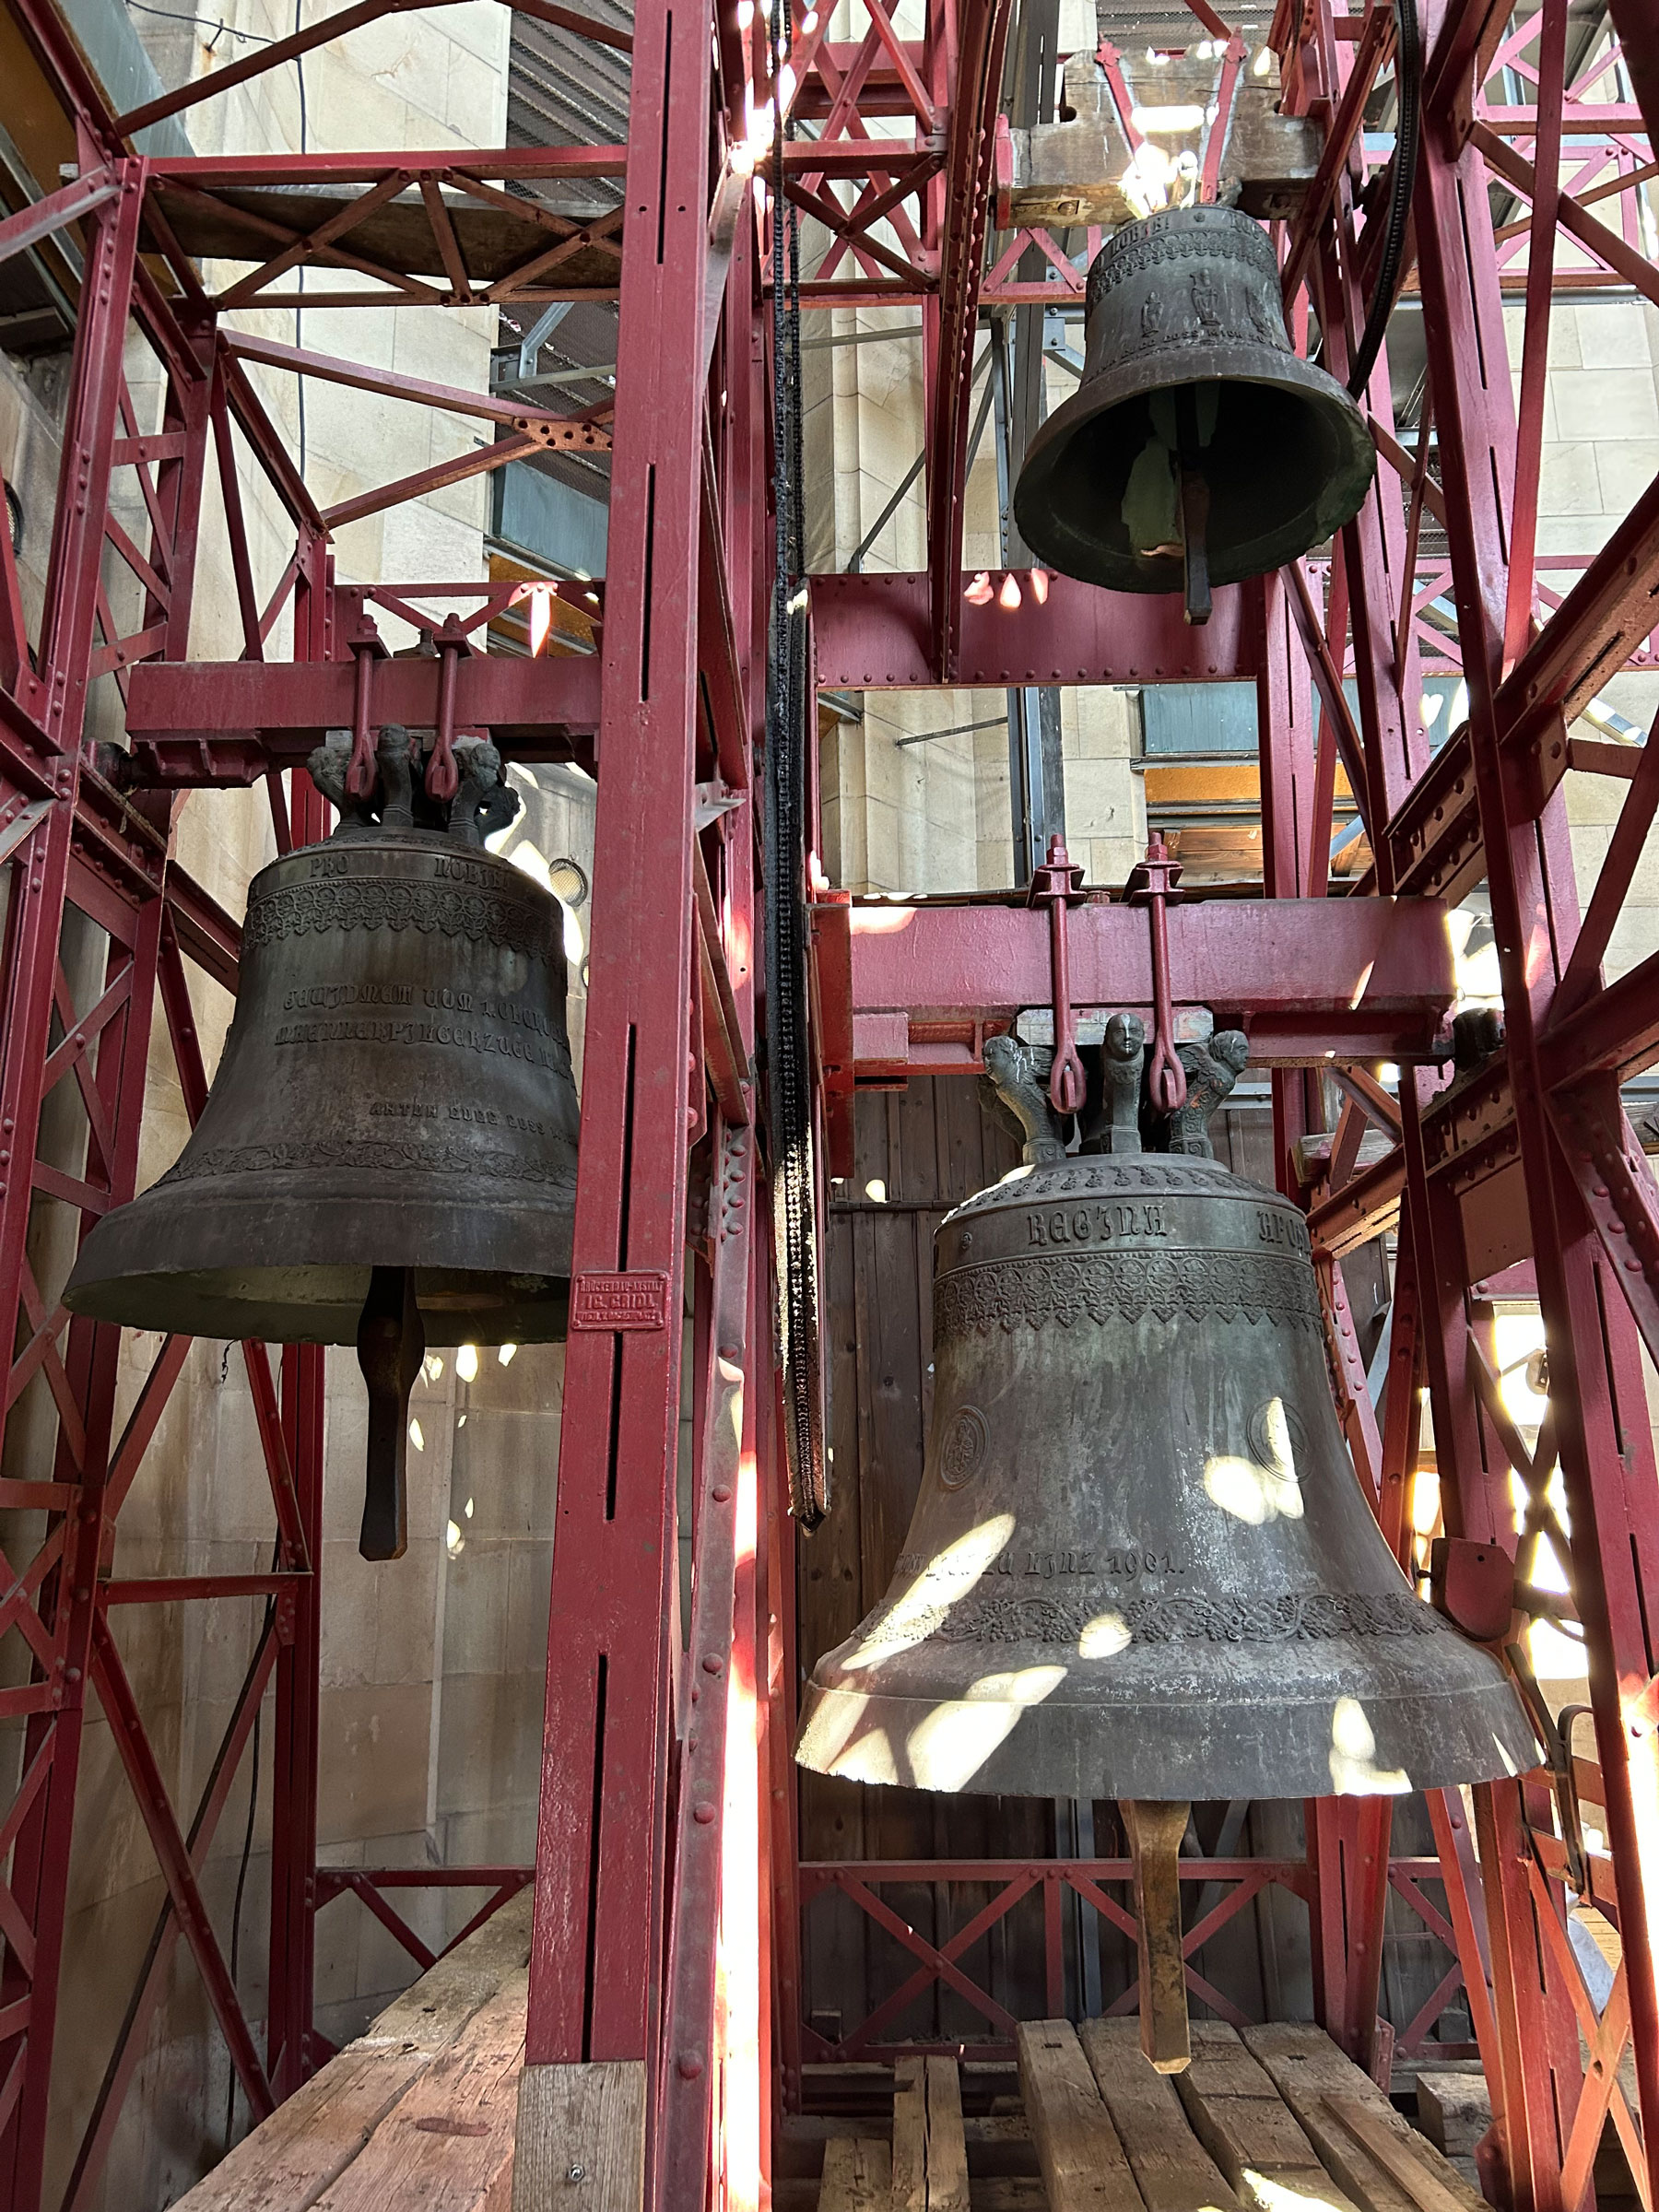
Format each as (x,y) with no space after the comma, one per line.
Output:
(1199,448)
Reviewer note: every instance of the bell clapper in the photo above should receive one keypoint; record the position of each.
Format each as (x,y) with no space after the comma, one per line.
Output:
(1155,1828)
(1194,506)
(391,1343)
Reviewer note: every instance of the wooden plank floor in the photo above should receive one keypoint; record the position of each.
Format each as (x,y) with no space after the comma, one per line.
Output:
(1276,2120)
(419,2109)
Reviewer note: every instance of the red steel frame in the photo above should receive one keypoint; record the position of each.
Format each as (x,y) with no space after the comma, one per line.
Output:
(668,1892)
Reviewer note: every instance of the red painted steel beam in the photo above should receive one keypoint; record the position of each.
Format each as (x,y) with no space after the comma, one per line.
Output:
(37,222)
(855,159)
(1616,1032)
(212,172)
(597,1937)
(329,1880)
(39,878)
(1612,608)
(1458,59)
(386,383)
(1606,1459)
(1617,1186)
(1358,978)
(193,723)
(872,634)
(982,33)
(1376,44)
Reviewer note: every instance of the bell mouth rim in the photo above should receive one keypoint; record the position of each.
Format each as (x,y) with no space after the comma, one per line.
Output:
(454,1308)
(1147,575)
(1076,1761)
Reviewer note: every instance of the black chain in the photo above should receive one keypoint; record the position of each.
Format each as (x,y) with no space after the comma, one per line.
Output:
(789,1062)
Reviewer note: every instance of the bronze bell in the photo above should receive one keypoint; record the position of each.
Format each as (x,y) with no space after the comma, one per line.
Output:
(1198,448)
(388,1153)
(1140,1565)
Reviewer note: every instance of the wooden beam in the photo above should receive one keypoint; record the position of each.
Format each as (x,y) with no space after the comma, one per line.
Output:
(857,2175)
(448,2050)
(309,2142)
(1173,2171)
(1309,2070)
(1084,2165)
(1247,2128)
(449,2144)
(930,2155)
(590,2117)
(1422,2188)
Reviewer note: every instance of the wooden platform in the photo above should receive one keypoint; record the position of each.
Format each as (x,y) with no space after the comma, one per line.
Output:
(418,2110)
(1277,2120)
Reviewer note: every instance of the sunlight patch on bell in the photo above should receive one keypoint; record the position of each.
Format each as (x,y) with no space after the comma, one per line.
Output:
(950,1575)
(831,1737)
(948,1748)
(1019,1686)
(1104,1637)
(1354,1770)
(1257,1491)
(869,1759)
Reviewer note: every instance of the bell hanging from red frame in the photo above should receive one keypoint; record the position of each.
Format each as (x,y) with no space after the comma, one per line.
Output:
(387,1156)
(1141,1565)
(1199,448)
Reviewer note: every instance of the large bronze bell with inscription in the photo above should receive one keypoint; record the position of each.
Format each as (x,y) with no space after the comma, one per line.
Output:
(1141,1565)
(1198,448)
(388,1153)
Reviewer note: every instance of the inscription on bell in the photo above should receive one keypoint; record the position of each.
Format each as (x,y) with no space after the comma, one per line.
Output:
(1045,1563)
(435,1110)
(1276,1228)
(1094,1224)
(369,1031)
(331,997)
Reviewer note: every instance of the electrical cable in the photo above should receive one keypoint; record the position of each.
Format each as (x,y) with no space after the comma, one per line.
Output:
(1408,100)
(788,1042)
(220,29)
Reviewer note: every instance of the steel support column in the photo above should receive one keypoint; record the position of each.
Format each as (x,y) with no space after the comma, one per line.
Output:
(595,1978)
